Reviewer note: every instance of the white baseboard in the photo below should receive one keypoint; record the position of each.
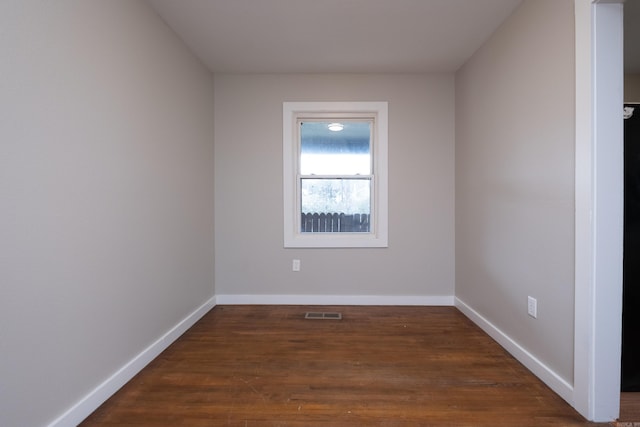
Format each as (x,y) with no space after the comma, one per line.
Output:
(539,369)
(100,394)
(447,300)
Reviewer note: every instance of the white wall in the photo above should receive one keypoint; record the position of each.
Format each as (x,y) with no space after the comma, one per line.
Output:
(515,182)
(106,192)
(250,258)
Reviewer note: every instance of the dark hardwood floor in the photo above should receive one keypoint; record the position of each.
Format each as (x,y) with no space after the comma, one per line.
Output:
(630,408)
(378,366)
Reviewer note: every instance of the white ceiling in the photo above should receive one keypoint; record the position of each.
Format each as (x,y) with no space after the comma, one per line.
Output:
(324,36)
(320,36)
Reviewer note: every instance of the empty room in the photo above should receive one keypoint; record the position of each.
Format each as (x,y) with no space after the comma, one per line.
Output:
(296,212)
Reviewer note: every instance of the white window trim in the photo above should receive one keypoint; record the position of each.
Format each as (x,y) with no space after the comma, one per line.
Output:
(378,237)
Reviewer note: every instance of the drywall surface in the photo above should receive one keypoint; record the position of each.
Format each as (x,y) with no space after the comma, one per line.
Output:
(106,187)
(250,257)
(515,142)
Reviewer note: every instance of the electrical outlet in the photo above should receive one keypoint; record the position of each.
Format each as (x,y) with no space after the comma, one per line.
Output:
(296,265)
(532,307)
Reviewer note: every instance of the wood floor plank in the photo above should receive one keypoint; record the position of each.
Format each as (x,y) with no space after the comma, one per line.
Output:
(378,366)
(630,407)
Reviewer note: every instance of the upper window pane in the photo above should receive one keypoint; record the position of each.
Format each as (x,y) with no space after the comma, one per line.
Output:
(335,148)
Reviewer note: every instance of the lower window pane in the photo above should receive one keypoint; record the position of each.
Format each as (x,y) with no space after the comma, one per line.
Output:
(335,205)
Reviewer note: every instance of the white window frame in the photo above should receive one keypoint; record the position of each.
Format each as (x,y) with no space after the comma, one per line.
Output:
(378,113)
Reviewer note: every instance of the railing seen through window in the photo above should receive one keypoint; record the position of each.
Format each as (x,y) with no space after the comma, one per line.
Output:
(334,223)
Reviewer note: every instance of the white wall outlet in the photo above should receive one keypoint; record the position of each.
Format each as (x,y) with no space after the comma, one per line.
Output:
(295,266)
(532,307)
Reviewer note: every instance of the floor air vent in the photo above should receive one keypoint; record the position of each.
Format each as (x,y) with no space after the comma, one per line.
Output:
(323,315)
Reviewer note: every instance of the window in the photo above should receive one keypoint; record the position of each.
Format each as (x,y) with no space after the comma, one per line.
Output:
(335,174)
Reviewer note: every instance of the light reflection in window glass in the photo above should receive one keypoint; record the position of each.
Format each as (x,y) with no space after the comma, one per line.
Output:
(327,152)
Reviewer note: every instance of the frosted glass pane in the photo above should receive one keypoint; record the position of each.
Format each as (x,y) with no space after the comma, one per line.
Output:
(343,152)
(349,196)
